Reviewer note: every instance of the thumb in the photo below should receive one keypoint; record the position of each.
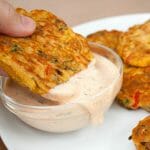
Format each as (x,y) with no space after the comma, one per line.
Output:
(14,24)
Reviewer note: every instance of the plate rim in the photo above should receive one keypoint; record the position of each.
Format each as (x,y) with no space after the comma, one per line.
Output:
(95,21)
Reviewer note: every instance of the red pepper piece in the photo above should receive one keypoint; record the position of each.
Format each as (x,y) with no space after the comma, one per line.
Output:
(48,69)
(128,59)
(136,97)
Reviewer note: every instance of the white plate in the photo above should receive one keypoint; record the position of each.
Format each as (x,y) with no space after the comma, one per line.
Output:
(111,135)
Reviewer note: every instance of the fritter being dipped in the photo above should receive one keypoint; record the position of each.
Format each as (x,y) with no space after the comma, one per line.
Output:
(134,45)
(107,38)
(141,134)
(49,57)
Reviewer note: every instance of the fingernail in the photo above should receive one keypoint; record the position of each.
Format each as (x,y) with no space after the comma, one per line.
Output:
(28,22)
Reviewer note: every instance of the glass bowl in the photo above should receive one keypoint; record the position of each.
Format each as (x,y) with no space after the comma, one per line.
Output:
(69,116)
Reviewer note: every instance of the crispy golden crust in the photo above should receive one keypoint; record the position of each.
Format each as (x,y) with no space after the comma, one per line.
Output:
(135,91)
(107,38)
(47,58)
(134,45)
(141,134)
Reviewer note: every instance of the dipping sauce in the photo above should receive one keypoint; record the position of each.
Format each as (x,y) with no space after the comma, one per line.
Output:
(87,96)
(81,87)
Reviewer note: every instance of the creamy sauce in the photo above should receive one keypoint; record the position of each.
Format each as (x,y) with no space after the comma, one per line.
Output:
(86,84)
(24,96)
(84,88)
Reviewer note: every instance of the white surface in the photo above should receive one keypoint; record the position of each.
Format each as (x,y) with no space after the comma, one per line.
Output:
(118,22)
(111,135)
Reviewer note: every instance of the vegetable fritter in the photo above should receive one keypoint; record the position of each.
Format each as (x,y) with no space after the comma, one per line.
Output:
(141,134)
(50,56)
(134,45)
(107,38)
(135,91)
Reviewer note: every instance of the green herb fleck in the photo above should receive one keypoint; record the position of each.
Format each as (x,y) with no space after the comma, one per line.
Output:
(67,65)
(54,60)
(62,27)
(126,101)
(16,48)
(41,53)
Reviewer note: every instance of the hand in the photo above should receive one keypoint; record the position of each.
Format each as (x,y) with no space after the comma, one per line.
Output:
(13,24)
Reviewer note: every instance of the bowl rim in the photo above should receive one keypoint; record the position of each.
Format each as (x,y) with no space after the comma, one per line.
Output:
(10,100)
